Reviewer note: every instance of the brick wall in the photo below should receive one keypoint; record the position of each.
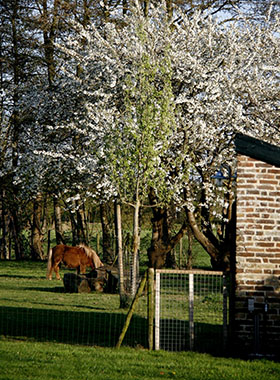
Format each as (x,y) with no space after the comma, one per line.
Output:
(257,257)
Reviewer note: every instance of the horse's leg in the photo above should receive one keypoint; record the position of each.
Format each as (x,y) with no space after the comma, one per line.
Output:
(82,268)
(49,273)
(56,270)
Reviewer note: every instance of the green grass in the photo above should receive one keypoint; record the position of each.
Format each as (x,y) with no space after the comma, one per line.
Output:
(21,360)
(38,321)
(37,309)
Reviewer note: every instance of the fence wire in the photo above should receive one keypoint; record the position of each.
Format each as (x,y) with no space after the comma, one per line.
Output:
(32,307)
(191,311)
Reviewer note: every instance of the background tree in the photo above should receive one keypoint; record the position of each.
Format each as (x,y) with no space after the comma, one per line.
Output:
(223,80)
(140,138)
(213,91)
(16,71)
(68,138)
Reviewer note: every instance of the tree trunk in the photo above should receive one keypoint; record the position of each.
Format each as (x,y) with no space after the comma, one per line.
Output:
(85,222)
(107,233)
(169,9)
(77,227)
(58,222)
(190,251)
(4,251)
(49,37)
(135,245)
(160,251)
(81,228)
(16,230)
(36,231)
(73,229)
(162,242)
(218,252)
(125,7)
(146,7)
(122,293)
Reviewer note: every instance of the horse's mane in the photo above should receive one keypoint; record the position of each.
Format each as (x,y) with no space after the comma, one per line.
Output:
(92,255)
(89,252)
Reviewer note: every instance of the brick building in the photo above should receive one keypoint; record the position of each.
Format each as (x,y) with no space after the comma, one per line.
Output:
(256,305)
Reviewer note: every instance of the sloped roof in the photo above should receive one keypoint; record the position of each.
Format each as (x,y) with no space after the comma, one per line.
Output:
(257,149)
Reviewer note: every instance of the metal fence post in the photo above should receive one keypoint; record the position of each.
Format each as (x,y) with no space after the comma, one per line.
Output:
(151,308)
(191,304)
(225,312)
(157,312)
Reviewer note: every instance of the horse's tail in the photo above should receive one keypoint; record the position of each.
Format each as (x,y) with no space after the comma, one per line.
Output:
(49,267)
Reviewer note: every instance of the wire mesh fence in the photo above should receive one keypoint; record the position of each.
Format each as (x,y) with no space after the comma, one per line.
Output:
(32,307)
(191,310)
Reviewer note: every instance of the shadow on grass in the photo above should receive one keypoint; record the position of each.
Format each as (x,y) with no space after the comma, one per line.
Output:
(56,289)
(103,329)
(22,277)
(175,336)
(86,328)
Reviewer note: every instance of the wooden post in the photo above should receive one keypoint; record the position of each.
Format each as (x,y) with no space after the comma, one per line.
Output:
(98,243)
(180,253)
(132,309)
(123,296)
(151,308)
(49,243)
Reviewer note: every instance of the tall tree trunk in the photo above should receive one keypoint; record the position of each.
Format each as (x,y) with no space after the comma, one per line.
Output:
(190,248)
(146,6)
(85,221)
(135,249)
(162,242)
(125,7)
(73,229)
(16,232)
(58,222)
(4,250)
(118,221)
(49,32)
(107,233)
(218,252)
(16,74)
(36,230)
(169,8)
(218,246)
(81,229)
(15,122)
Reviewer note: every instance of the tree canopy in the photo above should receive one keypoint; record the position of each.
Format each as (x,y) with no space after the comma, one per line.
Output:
(143,104)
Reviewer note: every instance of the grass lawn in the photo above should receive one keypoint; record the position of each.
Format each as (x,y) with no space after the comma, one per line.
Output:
(23,360)
(38,321)
(34,308)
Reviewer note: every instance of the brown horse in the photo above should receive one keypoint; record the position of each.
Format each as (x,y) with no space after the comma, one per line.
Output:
(78,257)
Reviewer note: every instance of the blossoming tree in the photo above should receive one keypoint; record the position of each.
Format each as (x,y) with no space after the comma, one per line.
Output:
(151,117)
